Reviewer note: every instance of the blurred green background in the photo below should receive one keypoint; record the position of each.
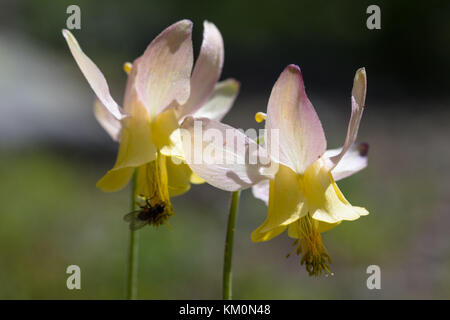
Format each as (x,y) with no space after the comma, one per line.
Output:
(52,151)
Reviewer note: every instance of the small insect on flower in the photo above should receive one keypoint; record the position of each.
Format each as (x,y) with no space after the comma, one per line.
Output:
(155,215)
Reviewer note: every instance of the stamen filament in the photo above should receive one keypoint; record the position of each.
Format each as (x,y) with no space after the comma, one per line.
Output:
(315,256)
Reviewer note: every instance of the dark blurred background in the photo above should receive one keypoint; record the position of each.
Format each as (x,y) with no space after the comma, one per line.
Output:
(52,151)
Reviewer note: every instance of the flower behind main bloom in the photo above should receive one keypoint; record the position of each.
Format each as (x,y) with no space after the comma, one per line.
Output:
(162,89)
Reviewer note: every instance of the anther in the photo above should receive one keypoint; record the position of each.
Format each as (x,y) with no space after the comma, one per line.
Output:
(127,67)
(260,117)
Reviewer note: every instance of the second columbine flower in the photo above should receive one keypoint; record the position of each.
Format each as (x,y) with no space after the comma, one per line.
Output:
(302,195)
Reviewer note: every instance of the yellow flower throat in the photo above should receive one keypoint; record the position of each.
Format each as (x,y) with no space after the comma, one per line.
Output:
(152,188)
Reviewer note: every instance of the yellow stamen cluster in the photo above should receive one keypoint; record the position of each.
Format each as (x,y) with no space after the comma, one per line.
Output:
(310,246)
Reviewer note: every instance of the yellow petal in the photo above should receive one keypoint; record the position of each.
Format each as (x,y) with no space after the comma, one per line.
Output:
(325,200)
(195,179)
(165,134)
(286,204)
(258,236)
(179,177)
(114,180)
(136,146)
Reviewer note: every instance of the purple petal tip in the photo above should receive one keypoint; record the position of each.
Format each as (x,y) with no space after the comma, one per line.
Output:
(363,149)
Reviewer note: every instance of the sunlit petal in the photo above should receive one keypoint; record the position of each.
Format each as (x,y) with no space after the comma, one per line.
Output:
(220,154)
(115,179)
(220,102)
(93,75)
(261,191)
(302,139)
(326,202)
(353,161)
(358,102)
(136,145)
(207,69)
(164,71)
(179,176)
(286,204)
(111,125)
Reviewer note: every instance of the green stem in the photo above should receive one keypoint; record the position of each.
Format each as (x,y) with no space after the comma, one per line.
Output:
(132,275)
(227,275)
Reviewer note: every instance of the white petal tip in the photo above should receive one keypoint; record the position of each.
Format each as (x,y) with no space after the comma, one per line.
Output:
(66,34)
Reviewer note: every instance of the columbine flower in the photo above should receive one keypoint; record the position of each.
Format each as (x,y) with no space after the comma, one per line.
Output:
(162,89)
(302,196)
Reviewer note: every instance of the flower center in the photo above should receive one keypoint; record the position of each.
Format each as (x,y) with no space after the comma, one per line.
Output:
(310,246)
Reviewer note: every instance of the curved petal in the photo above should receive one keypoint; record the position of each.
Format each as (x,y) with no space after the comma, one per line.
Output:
(195,179)
(207,70)
(358,101)
(136,145)
(179,177)
(114,180)
(261,191)
(301,137)
(326,202)
(164,70)
(354,160)
(164,131)
(93,75)
(286,204)
(111,125)
(221,155)
(221,101)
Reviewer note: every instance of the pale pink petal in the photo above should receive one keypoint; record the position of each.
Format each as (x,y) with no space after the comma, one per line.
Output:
(301,137)
(222,155)
(261,191)
(354,160)
(111,125)
(221,101)
(94,76)
(358,101)
(207,70)
(164,71)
